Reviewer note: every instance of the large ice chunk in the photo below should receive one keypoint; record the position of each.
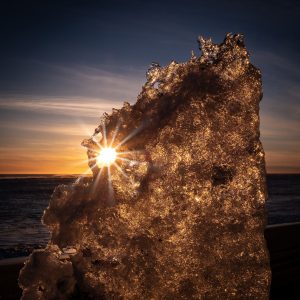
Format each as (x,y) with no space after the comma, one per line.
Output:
(182,214)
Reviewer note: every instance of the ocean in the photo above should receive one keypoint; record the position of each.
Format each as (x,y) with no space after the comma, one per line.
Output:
(23,199)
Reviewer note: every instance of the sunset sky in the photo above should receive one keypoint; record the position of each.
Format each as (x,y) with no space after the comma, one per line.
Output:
(66,62)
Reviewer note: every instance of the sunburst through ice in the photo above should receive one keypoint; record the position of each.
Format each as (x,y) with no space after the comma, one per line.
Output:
(105,157)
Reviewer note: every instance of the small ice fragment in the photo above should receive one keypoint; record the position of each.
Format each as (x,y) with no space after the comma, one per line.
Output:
(64,256)
(69,251)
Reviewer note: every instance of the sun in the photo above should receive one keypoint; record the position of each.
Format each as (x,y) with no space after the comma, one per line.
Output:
(106,157)
(106,154)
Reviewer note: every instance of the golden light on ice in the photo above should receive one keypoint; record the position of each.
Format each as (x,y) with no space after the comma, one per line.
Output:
(107,156)
(104,156)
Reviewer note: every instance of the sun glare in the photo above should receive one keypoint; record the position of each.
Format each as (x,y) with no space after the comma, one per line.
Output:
(107,156)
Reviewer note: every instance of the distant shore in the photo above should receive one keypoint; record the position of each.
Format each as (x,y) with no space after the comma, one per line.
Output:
(283,243)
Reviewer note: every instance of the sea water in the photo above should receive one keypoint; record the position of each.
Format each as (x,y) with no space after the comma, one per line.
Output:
(23,199)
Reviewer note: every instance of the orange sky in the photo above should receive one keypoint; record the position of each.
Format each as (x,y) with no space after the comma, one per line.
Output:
(47,140)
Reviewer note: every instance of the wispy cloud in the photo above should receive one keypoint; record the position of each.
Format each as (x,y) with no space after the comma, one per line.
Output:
(269,60)
(58,130)
(61,105)
(279,126)
(283,160)
(109,82)
(116,83)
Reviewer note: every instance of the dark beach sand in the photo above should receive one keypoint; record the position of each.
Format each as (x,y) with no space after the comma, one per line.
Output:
(9,273)
(284,247)
(283,243)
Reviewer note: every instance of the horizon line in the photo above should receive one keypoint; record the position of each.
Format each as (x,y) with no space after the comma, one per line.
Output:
(80,174)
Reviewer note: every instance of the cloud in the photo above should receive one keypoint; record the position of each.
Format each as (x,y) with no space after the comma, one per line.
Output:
(270,60)
(280,126)
(109,82)
(34,78)
(282,161)
(75,106)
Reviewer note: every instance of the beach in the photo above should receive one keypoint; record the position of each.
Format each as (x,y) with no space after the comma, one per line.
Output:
(9,273)
(284,247)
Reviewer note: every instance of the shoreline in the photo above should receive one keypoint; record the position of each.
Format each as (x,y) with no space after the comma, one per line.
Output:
(13,261)
(283,242)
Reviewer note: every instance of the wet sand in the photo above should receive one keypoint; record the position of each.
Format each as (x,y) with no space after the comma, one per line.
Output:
(283,243)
